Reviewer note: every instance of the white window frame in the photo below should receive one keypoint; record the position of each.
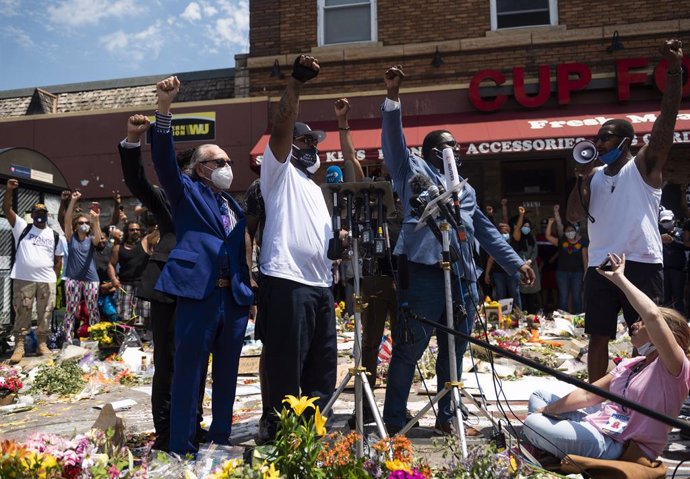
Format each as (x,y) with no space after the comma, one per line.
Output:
(553,16)
(321,5)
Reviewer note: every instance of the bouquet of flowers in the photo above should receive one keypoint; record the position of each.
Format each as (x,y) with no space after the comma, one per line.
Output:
(105,333)
(10,382)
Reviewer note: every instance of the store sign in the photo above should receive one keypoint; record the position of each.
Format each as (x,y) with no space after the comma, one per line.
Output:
(191,127)
(570,77)
(19,171)
(550,144)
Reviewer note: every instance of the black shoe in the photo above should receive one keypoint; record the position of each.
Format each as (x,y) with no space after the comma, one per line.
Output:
(393,429)
(409,417)
(266,433)
(368,418)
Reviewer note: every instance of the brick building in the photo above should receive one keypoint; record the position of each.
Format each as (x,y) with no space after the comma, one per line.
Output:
(498,77)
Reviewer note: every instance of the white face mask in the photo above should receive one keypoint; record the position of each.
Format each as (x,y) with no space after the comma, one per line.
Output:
(570,234)
(84,228)
(646,349)
(506,236)
(222,177)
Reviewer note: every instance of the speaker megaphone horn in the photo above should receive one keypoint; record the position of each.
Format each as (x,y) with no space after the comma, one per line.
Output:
(585,151)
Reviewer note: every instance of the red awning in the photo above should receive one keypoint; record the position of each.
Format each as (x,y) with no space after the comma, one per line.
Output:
(482,134)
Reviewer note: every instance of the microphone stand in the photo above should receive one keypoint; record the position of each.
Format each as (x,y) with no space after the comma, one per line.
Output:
(358,372)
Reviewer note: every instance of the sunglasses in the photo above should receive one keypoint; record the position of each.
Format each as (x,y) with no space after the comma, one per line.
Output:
(83,222)
(308,140)
(604,137)
(219,162)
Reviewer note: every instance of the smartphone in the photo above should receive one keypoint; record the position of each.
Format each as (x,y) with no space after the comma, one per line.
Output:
(96,206)
(112,228)
(606,263)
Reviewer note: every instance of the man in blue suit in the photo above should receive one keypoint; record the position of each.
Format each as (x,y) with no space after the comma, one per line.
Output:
(427,296)
(207,272)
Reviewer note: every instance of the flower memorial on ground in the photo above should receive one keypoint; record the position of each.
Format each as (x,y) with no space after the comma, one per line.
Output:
(10,382)
(302,449)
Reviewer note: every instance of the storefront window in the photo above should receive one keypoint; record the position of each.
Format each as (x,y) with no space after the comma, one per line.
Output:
(346,21)
(532,178)
(523,13)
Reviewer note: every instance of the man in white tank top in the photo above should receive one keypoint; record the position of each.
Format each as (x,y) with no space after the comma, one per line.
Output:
(621,202)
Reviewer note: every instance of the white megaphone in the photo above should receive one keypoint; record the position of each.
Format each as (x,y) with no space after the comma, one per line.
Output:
(585,151)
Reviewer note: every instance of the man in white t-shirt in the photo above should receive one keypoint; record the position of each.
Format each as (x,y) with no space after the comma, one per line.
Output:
(296,319)
(37,264)
(621,201)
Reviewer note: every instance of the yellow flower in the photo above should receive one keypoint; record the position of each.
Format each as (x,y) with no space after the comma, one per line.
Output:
(513,464)
(49,461)
(319,423)
(299,404)
(270,472)
(341,305)
(397,465)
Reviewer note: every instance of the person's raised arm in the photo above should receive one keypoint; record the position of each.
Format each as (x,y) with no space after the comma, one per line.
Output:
(117,202)
(549,236)
(557,219)
(162,145)
(304,69)
(65,196)
(652,158)
(517,234)
(393,142)
(94,214)
(11,216)
(69,215)
(670,353)
(342,108)
(504,210)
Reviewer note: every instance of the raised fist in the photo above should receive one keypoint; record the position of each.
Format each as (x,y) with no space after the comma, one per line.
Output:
(65,194)
(341,107)
(76,195)
(521,210)
(394,77)
(504,202)
(489,210)
(166,90)
(556,209)
(305,68)
(12,184)
(672,51)
(116,197)
(137,126)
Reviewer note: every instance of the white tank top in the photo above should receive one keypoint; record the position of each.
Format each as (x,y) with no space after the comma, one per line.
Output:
(626,210)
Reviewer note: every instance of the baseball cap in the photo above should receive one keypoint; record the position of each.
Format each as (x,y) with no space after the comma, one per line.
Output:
(666,215)
(302,129)
(39,207)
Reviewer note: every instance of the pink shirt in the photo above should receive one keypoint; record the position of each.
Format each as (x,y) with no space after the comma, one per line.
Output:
(653,387)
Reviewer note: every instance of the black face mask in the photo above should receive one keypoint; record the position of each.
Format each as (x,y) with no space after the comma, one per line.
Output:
(307,158)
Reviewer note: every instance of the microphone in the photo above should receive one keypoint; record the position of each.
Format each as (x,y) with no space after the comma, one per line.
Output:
(418,204)
(434,192)
(450,170)
(419,183)
(585,151)
(335,246)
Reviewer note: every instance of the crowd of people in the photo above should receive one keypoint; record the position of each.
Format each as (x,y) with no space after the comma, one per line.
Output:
(195,265)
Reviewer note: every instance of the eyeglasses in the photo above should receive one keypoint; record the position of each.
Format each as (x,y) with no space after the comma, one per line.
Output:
(83,222)
(308,140)
(220,162)
(604,137)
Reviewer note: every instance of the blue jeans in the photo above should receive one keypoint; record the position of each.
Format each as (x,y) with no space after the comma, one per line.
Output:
(570,283)
(426,297)
(507,286)
(571,436)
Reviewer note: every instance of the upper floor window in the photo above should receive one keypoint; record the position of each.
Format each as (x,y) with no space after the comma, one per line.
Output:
(523,13)
(346,21)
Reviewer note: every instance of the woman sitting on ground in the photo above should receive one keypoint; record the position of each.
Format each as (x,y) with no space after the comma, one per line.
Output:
(658,380)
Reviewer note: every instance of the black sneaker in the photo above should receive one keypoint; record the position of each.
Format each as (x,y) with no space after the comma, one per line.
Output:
(266,433)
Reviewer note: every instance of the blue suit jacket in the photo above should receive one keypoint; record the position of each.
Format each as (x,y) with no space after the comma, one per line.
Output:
(194,265)
(421,246)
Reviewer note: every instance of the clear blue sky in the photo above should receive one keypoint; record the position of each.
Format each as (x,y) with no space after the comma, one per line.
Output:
(53,42)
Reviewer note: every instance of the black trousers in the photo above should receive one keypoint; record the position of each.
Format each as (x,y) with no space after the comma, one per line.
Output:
(379,294)
(297,327)
(674,289)
(163,329)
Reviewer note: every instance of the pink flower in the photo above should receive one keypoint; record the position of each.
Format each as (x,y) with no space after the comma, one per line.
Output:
(113,472)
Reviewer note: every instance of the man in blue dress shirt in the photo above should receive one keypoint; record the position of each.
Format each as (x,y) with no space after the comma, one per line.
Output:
(426,297)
